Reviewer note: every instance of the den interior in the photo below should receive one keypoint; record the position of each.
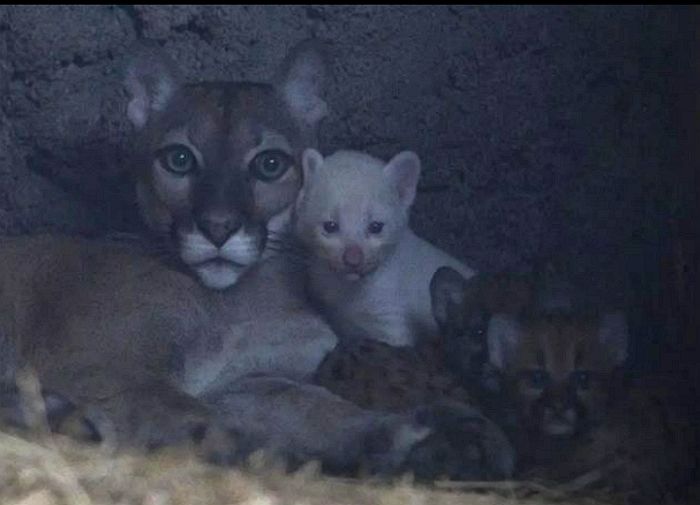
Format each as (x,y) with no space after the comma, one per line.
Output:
(564,134)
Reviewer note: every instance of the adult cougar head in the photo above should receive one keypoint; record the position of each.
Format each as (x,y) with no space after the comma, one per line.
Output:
(217,160)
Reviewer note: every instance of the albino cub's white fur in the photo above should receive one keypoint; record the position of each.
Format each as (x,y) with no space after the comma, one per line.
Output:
(369,272)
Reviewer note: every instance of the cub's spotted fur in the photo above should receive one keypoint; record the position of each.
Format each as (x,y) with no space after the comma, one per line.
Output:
(380,376)
(374,374)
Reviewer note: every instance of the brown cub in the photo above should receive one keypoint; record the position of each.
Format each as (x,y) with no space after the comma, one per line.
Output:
(553,381)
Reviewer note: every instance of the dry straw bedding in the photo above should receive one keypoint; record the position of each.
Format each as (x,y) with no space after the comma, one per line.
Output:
(42,469)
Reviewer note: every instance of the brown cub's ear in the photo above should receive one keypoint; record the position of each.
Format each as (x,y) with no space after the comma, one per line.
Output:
(448,292)
(151,80)
(614,335)
(503,335)
(301,81)
(404,170)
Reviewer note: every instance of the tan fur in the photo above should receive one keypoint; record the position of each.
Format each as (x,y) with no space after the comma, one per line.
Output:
(162,358)
(163,361)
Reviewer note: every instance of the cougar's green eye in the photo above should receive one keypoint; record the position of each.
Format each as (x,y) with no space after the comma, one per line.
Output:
(177,159)
(270,165)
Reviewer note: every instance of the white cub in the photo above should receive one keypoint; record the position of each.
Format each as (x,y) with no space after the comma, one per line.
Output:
(368,272)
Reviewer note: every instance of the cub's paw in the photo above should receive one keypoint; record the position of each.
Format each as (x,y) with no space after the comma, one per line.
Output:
(386,443)
(462,445)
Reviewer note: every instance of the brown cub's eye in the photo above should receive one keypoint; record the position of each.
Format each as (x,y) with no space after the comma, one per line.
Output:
(581,379)
(177,159)
(330,226)
(375,227)
(537,378)
(270,165)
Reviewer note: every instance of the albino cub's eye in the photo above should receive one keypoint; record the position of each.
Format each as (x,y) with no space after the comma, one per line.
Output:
(270,165)
(177,159)
(375,227)
(330,226)
(581,378)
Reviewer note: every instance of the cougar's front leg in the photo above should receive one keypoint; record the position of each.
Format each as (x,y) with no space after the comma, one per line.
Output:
(143,410)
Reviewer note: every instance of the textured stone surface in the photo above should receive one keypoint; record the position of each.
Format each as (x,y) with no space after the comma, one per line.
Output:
(543,130)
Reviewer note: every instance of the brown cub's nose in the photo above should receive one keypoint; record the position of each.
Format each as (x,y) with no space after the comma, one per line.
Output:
(353,256)
(217,228)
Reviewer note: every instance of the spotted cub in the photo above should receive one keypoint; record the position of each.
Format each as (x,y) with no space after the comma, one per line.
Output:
(377,375)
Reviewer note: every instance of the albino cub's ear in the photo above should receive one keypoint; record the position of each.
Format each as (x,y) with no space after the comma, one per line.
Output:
(503,335)
(301,81)
(447,294)
(152,80)
(404,170)
(614,335)
(311,161)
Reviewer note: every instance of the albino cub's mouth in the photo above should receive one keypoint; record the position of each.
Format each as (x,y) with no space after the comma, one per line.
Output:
(219,267)
(352,274)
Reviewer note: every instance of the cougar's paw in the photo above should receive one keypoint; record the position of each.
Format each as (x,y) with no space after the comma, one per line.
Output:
(149,417)
(462,445)
(68,419)
(55,410)
(222,445)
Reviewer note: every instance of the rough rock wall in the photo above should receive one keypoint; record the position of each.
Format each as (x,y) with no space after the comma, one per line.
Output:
(542,129)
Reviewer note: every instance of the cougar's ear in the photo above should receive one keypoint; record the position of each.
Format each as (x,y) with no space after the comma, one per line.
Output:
(448,292)
(404,170)
(301,81)
(614,335)
(151,78)
(503,334)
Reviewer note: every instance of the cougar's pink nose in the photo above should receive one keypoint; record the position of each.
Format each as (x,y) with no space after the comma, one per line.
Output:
(353,256)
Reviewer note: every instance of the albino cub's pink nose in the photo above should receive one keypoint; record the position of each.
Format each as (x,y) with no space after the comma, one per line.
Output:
(353,256)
